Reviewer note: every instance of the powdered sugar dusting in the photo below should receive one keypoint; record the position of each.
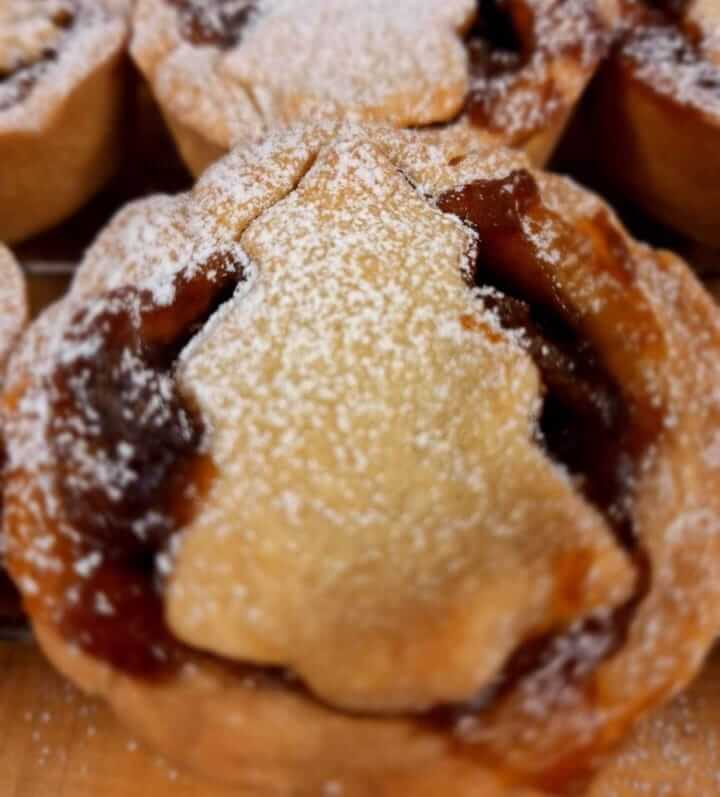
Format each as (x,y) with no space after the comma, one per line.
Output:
(676,622)
(30,28)
(152,256)
(13,317)
(402,63)
(388,51)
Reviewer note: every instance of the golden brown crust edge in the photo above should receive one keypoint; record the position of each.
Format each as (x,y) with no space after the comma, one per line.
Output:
(274,743)
(675,751)
(13,318)
(676,747)
(682,190)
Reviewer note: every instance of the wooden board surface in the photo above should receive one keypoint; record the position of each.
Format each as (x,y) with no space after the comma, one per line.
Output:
(55,742)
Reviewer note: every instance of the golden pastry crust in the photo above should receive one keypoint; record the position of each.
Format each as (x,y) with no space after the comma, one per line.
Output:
(61,93)
(655,119)
(394,541)
(676,751)
(267,741)
(224,77)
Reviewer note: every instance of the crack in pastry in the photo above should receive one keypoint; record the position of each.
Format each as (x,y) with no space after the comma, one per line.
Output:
(400,560)
(508,70)
(586,423)
(61,94)
(130,452)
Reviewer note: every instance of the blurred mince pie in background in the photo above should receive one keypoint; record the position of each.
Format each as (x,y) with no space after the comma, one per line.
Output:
(148,164)
(648,131)
(61,92)
(375,461)
(227,71)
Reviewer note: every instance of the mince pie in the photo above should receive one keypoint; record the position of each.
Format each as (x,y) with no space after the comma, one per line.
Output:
(370,464)
(61,87)
(653,115)
(226,71)
(13,317)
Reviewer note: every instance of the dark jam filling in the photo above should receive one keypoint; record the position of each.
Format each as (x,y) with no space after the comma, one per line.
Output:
(218,23)
(494,44)
(676,9)
(11,613)
(585,423)
(17,84)
(130,467)
(583,410)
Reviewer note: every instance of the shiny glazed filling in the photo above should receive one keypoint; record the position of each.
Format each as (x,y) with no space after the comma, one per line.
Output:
(218,23)
(17,83)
